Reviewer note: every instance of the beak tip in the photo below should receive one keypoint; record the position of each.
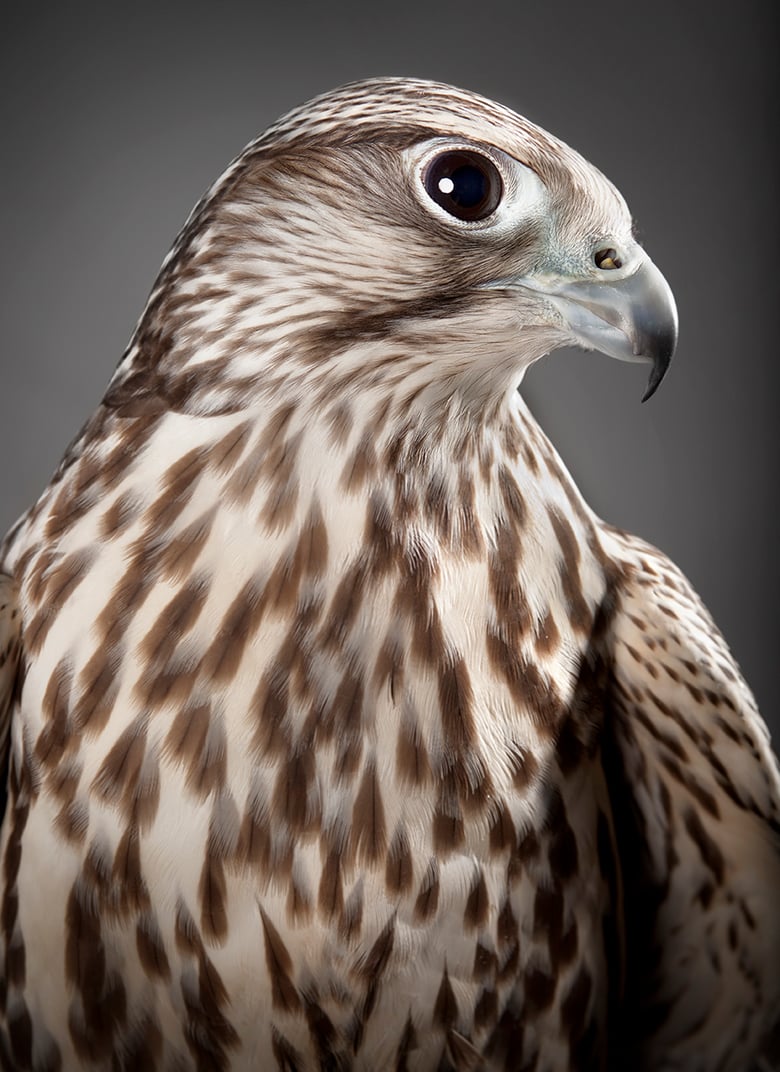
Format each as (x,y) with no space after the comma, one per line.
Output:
(661,362)
(652,387)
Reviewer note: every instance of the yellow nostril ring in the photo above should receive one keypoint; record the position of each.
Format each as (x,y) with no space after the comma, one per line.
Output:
(607,259)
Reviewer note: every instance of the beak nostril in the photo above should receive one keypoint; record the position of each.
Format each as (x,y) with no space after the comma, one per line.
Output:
(607,259)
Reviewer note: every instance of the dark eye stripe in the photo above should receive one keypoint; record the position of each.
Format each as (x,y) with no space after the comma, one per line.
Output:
(464,183)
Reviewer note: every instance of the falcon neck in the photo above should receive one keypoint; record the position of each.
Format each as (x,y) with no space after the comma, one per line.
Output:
(410,480)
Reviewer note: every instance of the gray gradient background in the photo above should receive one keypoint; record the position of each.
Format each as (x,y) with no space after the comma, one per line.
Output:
(115,120)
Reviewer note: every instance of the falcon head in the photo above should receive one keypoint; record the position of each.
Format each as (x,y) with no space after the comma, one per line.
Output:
(401,228)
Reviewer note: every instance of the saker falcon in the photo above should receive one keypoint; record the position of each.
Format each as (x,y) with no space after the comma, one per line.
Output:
(341,734)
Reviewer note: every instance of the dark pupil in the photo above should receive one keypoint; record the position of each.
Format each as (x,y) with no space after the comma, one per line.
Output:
(470,186)
(466,184)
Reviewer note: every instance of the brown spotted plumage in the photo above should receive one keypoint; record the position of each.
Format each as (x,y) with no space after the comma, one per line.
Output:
(343,735)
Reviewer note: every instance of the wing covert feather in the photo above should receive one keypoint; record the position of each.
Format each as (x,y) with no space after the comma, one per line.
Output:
(696,792)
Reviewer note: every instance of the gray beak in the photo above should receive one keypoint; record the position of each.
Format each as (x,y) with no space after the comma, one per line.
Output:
(633,318)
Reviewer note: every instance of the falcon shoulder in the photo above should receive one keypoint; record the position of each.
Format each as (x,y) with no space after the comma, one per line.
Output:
(10,657)
(695,789)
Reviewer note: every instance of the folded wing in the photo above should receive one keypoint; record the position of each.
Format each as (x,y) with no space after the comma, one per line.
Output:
(696,795)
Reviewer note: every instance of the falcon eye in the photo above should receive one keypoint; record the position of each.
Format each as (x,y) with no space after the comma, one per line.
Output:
(464,183)
(607,259)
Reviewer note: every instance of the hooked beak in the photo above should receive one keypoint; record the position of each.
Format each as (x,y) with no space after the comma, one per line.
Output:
(633,318)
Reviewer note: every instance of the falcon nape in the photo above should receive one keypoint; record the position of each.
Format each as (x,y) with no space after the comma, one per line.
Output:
(342,734)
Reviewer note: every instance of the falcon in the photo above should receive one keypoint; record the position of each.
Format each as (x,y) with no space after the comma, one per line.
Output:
(340,733)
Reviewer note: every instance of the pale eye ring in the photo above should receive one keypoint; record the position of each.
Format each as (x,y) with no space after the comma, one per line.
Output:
(464,183)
